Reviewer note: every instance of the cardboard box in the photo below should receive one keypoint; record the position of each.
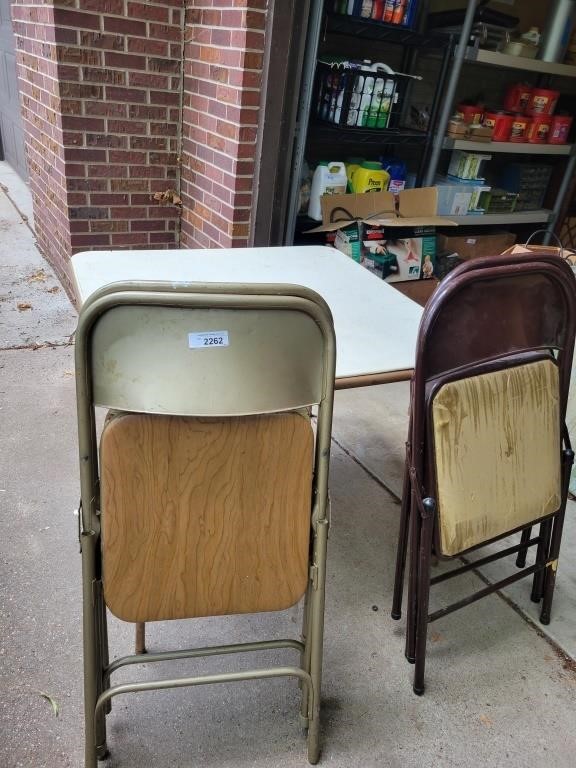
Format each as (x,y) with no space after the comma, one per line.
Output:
(473,246)
(397,254)
(400,223)
(409,208)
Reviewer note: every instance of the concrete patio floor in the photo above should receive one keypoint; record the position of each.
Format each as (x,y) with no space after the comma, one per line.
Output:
(499,690)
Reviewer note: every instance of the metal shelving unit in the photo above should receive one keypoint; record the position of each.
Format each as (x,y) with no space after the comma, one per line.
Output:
(467,54)
(313,133)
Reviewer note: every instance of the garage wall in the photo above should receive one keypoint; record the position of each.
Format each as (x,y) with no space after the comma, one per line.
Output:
(11,131)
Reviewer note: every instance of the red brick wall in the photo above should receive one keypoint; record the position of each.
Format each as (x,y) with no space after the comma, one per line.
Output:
(222,72)
(36,43)
(113,83)
(101,83)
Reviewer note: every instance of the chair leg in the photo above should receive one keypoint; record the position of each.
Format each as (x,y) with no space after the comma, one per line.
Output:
(402,549)
(140,638)
(101,662)
(524,539)
(90,642)
(423,587)
(305,656)
(556,540)
(316,638)
(541,559)
(415,527)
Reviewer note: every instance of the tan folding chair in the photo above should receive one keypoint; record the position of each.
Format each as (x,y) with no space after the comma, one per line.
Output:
(211,494)
(488,453)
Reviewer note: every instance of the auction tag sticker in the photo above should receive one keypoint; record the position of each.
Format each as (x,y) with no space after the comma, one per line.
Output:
(208,340)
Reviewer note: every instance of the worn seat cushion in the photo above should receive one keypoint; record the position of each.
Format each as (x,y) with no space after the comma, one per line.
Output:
(496,446)
(204,517)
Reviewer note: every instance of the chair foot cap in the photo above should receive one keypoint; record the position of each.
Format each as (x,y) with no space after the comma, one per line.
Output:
(102,752)
(303,722)
(545,619)
(535,599)
(396,615)
(418,691)
(410,659)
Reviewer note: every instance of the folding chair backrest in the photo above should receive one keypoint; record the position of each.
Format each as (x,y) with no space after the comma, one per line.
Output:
(208,360)
(490,393)
(207,463)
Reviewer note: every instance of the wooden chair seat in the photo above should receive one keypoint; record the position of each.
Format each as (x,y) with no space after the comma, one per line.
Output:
(200,517)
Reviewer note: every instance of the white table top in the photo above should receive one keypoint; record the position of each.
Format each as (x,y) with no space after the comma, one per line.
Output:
(376,326)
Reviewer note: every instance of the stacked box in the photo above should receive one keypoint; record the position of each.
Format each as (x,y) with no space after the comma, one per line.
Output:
(467,165)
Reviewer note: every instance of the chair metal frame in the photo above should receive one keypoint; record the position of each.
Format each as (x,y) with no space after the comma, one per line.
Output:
(550,333)
(98,692)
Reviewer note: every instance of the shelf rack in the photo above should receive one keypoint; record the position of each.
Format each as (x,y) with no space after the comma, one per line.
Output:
(322,22)
(377,30)
(508,147)
(324,133)
(464,53)
(541,216)
(496,59)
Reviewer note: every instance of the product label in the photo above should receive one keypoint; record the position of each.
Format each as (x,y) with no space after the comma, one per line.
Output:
(539,104)
(518,129)
(208,340)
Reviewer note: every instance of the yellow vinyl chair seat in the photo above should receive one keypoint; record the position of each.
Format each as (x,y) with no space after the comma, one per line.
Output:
(496,453)
(205,516)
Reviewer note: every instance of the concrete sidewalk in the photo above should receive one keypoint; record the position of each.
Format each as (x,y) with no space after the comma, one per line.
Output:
(498,691)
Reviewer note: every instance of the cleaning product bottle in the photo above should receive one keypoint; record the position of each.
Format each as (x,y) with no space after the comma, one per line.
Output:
(397,170)
(329,179)
(352,164)
(370,177)
(382,90)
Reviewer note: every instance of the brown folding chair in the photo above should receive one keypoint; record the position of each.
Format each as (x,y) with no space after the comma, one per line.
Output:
(488,453)
(207,493)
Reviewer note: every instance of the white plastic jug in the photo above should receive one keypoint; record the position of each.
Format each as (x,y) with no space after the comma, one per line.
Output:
(329,179)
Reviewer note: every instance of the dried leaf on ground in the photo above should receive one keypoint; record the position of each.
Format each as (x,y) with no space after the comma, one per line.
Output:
(53,703)
(23,306)
(38,277)
(485,720)
(54,289)
(169,196)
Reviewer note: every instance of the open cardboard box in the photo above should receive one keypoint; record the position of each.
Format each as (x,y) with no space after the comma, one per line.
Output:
(409,208)
(392,235)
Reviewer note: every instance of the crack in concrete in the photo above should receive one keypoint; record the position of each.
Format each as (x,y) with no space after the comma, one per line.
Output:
(42,345)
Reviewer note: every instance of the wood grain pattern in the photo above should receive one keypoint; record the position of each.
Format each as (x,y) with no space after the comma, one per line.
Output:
(497,452)
(205,517)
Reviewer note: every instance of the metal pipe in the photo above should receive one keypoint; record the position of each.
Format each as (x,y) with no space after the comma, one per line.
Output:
(183,682)
(307,87)
(194,653)
(485,560)
(484,592)
(446,110)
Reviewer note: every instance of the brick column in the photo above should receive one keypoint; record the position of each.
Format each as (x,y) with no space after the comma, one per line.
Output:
(37,45)
(223,56)
(101,85)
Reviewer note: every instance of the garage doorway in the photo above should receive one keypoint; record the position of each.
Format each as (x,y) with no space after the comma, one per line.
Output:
(11,133)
